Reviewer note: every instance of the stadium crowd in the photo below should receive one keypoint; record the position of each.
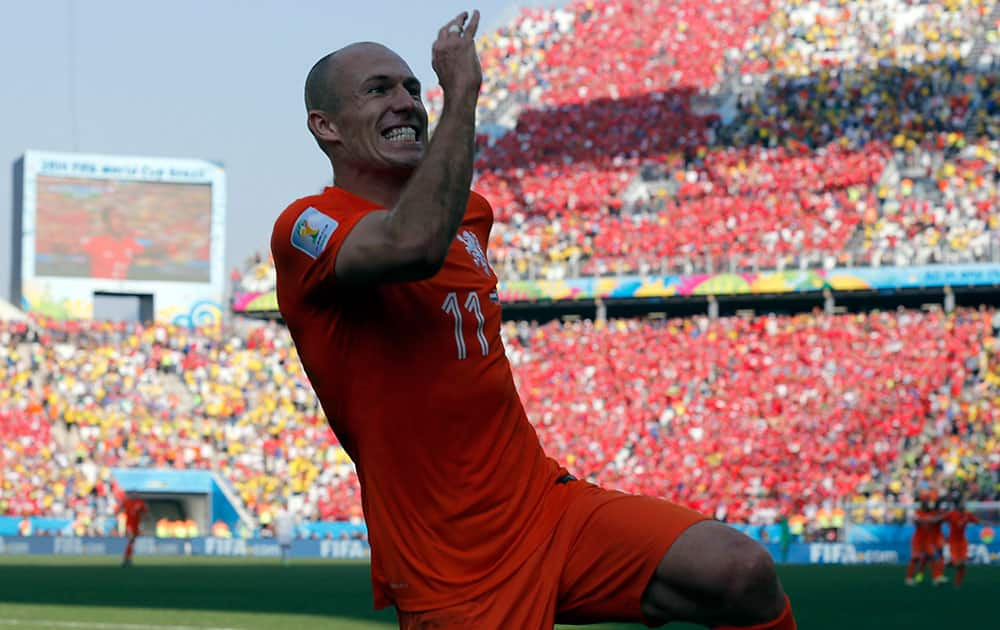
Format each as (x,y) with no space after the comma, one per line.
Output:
(79,399)
(781,134)
(746,418)
(628,136)
(952,219)
(591,50)
(849,74)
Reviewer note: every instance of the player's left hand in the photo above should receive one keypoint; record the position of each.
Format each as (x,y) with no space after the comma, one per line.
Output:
(454,56)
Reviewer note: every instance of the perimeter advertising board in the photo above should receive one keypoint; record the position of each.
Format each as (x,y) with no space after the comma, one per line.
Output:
(353,549)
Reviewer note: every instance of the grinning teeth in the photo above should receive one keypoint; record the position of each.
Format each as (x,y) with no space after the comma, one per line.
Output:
(401,134)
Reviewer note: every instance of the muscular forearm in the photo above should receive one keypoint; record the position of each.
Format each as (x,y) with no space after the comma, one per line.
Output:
(433,203)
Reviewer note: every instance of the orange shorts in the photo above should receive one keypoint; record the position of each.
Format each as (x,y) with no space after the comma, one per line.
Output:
(594,567)
(920,546)
(959,552)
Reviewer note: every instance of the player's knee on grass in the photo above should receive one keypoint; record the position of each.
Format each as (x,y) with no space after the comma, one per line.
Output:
(715,575)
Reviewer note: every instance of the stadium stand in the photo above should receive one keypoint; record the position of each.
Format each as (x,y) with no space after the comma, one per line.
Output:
(849,133)
(857,75)
(84,393)
(628,136)
(774,414)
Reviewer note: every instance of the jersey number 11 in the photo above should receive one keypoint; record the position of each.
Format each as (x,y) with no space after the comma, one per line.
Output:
(451,307)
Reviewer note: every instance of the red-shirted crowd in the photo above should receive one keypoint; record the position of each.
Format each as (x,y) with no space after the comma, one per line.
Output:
(626,136)
(742,418)
(846,87)
(621,136)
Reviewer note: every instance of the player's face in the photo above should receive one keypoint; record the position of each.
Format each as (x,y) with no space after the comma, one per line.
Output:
(113,224)
(382,122)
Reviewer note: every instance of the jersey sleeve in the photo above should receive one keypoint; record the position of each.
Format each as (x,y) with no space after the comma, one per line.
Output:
(92,245)
(305,242)
(484,219)
(485,208)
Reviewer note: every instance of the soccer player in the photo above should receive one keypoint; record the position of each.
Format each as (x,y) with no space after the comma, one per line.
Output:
(958,545)
(924,548)
(785,536)
(937,540)
(133,508)
(112,250)
(284,532)
(385,286)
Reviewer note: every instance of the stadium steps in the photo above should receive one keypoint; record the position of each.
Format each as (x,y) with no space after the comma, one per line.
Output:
(64,439)
(227,489)
(890,178)
(10,313)
(173,385)
(506,113)
(980,45)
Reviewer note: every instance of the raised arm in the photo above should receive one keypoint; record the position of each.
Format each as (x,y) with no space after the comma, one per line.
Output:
(411,241)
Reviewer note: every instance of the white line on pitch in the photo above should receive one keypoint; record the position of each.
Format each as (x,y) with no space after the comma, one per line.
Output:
(99,625)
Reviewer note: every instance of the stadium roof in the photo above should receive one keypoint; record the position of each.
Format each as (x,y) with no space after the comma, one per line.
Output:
(8,313)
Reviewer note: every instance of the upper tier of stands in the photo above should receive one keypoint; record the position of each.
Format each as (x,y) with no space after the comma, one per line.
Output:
(761,87)
(628,136)
(623,136)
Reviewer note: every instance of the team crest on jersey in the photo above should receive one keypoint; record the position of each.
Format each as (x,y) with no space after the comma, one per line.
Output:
(475,250)
(312,231)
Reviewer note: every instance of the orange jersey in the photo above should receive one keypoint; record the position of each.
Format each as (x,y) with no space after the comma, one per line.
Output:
(415,382)
(926,531)
(133,510)
(111,257)
(957,522)
(935,533)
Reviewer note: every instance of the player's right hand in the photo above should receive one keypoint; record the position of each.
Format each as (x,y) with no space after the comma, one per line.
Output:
(454,56)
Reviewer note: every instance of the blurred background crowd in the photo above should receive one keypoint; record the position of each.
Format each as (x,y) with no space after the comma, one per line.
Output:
(645,137)
(633,137)
(747,418)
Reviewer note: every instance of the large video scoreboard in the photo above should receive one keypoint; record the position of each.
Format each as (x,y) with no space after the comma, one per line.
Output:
(93,226)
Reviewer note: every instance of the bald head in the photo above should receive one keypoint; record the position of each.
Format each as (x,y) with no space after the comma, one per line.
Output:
(323,82)
(318,85)
(350,93)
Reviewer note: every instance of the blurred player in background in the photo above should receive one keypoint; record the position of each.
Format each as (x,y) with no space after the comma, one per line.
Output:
(925,545)
(784,535)
(385,286)
(937,539)
(958,544)
(284,532)
(133,508)
(112,250)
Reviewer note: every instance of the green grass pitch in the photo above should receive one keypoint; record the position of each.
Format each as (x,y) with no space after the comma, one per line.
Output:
(196,593)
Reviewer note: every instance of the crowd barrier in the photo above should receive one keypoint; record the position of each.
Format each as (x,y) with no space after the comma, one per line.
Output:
(865,533)
(353,549)
(350,549)
(869,553)
(45,526)
(870,533)
(741,283)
